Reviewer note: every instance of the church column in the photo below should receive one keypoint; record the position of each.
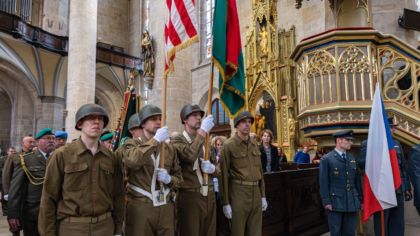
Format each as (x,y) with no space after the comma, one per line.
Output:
(81,59)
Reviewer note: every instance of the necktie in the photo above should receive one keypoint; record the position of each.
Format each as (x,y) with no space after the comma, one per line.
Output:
(47,155)
(344,156)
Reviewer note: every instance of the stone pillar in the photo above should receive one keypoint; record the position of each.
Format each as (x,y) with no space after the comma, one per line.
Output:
(81,59)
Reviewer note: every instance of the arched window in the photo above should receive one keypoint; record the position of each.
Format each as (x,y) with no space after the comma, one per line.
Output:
(206,36)
(221,119)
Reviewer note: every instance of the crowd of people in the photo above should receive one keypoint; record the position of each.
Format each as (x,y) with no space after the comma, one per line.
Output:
(161,184)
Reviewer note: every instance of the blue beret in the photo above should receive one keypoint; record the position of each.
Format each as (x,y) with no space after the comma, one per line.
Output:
(107,136)
(344,134)
(61,134)
(46,131)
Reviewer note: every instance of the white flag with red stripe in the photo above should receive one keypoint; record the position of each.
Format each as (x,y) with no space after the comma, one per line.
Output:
(382,174)
(180,29)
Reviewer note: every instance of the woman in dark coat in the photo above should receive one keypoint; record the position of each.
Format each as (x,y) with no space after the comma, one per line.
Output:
(269,156)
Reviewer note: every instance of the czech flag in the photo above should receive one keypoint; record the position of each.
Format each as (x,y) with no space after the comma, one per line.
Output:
(382,174)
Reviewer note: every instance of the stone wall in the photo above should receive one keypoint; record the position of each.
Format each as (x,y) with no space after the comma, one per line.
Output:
(385,15)
(113,22)
(54,16)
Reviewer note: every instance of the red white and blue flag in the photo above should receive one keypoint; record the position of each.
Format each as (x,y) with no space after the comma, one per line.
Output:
(382,174)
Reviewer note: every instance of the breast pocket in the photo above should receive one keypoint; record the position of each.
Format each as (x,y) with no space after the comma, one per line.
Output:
(37,171)
(76,176)
(106,174)
(239,160)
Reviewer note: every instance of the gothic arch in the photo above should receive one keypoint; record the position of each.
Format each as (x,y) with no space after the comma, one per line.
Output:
(110,98)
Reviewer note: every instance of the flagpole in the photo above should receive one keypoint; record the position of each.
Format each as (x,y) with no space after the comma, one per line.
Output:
(206,142)
(382,223)
(164,88)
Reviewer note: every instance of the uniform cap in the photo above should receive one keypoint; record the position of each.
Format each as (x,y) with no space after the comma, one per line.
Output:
(243,115)
(43,132)
(61,134)
(107,135)
(348,134)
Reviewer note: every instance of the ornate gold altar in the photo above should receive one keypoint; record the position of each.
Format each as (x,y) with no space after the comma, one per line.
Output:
(336,75)
(270,90)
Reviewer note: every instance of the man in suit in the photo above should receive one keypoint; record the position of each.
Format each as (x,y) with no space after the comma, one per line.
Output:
(302,157)
(339,183)
(393,217)
(414,173)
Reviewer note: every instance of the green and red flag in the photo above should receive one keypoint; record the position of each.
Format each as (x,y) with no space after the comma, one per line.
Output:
(129,108)
(228,57)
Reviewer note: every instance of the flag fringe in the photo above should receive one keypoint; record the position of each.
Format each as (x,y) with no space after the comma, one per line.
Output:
(176,49)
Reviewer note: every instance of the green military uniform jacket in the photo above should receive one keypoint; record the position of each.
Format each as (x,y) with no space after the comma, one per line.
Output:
(241,160)
(26,186)
(80,184)
(188,154)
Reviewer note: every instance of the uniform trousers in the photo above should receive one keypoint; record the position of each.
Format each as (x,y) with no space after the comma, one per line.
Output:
(196,213)
(142,218)
(393,219)
(102,228)
(30,228)
(342,223)
(246,206)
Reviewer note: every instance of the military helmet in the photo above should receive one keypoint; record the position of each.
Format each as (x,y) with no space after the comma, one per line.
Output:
(148,111)
(188,110)
(243,115)
(91,109)
(134,121)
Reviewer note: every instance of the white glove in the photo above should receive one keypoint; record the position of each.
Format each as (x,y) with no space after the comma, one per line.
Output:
(227,210)
(163,176)
(207,167)
(207,124)
(6,197)
(264,203)
(162,134)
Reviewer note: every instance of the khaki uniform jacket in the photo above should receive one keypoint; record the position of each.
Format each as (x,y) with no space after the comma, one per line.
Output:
(140,166)
(8,168)
(241,161)
(79,184)
(188,154)
(26,187)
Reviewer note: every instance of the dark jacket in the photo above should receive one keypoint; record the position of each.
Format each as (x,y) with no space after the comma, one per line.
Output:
(339,182)
(274,158)
(414,172)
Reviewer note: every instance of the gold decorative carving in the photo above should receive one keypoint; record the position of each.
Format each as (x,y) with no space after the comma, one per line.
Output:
(269,70)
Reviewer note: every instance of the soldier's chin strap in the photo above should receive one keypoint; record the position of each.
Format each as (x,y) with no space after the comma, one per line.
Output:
(32,179)
(204,189)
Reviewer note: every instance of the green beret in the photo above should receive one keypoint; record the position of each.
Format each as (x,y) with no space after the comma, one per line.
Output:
(46,131)
(107,136)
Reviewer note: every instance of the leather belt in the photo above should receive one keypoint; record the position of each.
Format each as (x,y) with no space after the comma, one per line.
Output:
(195,190)
(92,220)
(248,183)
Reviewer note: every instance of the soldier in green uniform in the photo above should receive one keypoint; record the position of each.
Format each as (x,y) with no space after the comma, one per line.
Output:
(150,209)
(243,190)
(106,139)
(26,185)
(11,151)
(28,143)
(196,201)
(83,190)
